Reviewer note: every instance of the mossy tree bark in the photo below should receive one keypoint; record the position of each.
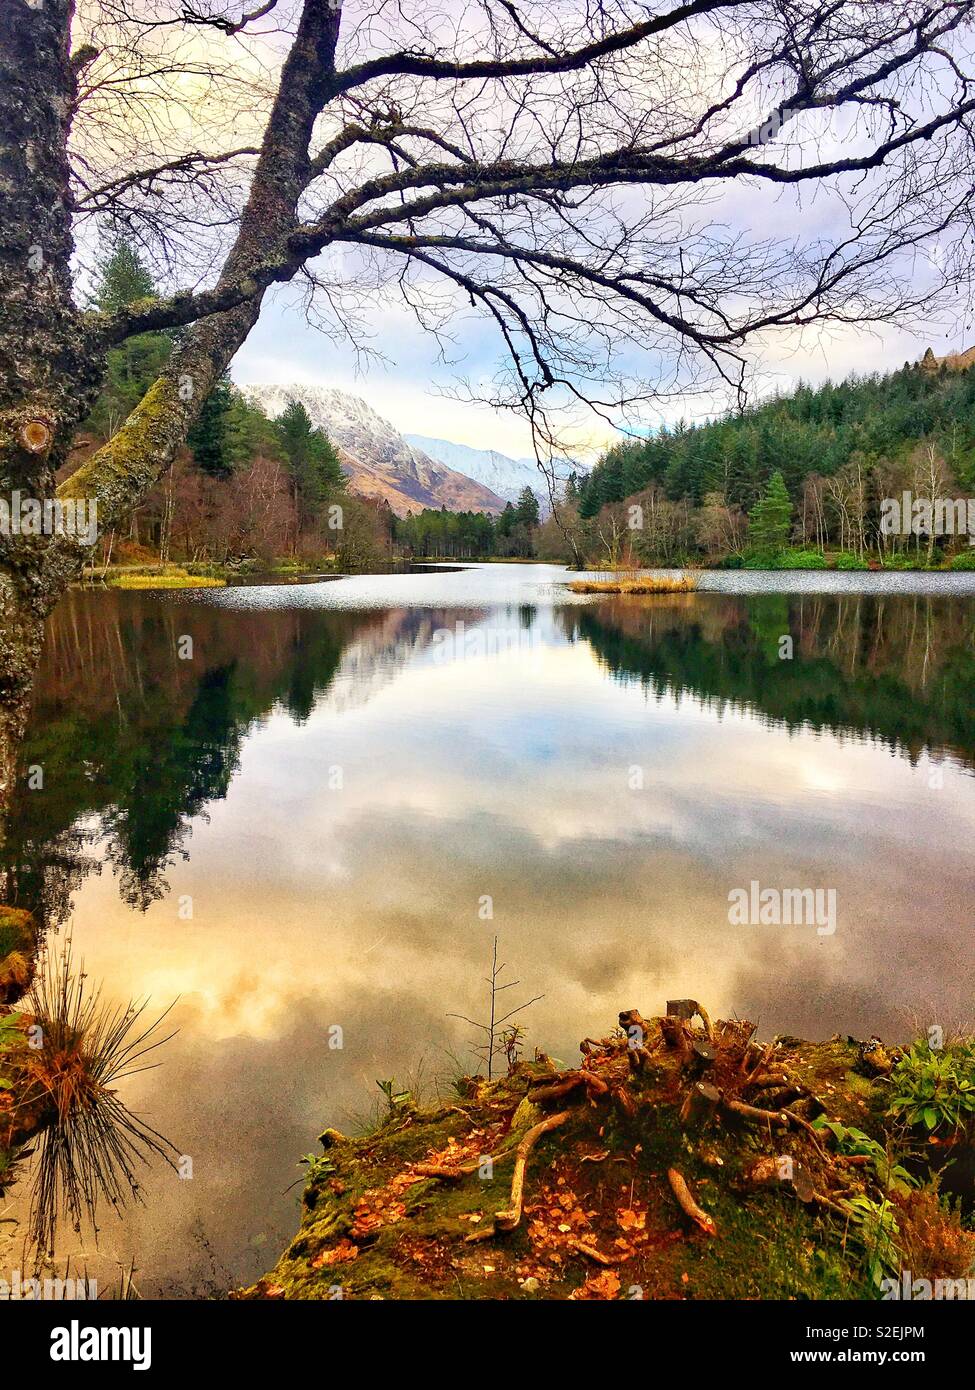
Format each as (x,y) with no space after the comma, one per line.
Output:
(46,377)
(52,356)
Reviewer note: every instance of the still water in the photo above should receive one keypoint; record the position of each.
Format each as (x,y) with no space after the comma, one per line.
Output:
(303,825)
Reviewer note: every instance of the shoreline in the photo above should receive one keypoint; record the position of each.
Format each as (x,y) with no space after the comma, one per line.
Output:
(681,1159)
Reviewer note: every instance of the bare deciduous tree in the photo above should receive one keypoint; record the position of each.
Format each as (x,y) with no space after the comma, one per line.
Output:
(566,168)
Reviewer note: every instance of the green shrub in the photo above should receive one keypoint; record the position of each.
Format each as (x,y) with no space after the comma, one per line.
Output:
(935,1089)
(964,561)
(759,559)
(905,560)
(873,1226)
(846,560)
(801,560)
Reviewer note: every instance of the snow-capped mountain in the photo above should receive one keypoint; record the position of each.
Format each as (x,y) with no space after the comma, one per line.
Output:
(377,458)
(506,476)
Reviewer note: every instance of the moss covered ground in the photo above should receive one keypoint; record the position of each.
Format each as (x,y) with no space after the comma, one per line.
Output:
(680,1161)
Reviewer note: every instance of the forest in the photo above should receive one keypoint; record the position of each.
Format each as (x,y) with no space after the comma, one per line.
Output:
(797,481)
(246,489)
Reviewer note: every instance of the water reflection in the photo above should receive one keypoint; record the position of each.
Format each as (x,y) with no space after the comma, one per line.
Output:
(899,670)
(333,788)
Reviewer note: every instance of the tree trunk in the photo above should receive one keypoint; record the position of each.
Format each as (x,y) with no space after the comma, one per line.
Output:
(52,362)
(22,617)
(47,378)
(48,374)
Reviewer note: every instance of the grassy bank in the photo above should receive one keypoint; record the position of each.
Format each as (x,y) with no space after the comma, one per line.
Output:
(166,581)
(635,584)
(157,576)
(680,1160)
(801,558)
(804,558)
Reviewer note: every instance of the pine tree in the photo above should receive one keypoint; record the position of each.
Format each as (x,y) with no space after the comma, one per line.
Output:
(770,520)
(209,439)
(134,366)
(316,471)
(506,521)
(527,509)
(123,279)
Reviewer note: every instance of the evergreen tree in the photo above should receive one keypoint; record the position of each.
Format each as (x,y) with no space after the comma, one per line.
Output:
(770,520)
(506,521)
(249,431)
(527,509)
(123,279)
(209,439)
(314,465)
(134,365)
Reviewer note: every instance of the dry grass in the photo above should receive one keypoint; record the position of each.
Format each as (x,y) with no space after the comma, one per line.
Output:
(636,584)
(165,581)
(933,1242)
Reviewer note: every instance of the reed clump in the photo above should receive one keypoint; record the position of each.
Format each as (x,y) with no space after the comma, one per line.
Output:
(636,584)
(75,1050)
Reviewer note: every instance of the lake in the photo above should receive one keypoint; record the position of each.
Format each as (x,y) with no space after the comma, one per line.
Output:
(309,822)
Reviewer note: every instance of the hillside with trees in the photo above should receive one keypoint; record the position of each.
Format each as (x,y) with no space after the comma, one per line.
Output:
(797,481)
(793,479)
(249,489)
(245,488)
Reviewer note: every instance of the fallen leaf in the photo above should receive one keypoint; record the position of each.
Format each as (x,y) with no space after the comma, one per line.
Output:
(629,1220)
(338,1254)
(604,1285)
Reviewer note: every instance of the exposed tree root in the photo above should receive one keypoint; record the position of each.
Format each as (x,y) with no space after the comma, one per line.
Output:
(508,1219)
(593,1084)
(688,1009)
(445,1171)
(712,1048)
(778,1119)
(590,1252)
(782,1119)
(687,1204)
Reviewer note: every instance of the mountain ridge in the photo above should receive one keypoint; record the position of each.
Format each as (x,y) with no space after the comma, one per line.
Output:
(377,459)
(506,476)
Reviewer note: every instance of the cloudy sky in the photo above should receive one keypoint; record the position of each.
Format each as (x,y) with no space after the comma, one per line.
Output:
(410,380)
(412,386)
(412,389)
